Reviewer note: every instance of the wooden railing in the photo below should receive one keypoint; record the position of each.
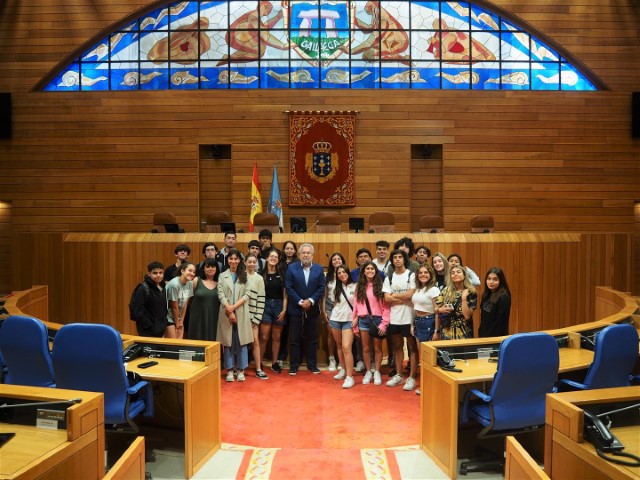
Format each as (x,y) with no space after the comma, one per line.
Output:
(33,302)
(552,275)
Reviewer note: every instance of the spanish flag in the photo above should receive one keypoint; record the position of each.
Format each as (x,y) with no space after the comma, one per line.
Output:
(256,199)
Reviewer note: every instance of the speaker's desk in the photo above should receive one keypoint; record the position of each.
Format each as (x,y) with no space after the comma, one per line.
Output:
(442,392)
(567,455)
(75,452)
(194,385)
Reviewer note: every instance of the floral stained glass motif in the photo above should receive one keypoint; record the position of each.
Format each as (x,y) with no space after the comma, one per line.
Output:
(306,44)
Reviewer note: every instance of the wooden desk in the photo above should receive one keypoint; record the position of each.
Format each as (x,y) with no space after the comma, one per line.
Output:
(201,397)
(74,453)
(567,455)
(200,383)
(442,392)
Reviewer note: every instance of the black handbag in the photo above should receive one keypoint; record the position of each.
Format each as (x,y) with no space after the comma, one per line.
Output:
(375,326)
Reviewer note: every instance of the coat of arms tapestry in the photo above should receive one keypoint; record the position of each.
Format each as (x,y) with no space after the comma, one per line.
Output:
(322,159)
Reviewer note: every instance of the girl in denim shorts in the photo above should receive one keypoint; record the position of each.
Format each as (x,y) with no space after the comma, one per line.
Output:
(275,307)
(340,323)
(369,291)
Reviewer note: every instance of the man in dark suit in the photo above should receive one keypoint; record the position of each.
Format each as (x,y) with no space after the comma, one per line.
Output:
(305,288)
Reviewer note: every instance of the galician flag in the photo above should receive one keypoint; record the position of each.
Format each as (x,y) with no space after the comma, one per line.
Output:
(256,199)
(275,200)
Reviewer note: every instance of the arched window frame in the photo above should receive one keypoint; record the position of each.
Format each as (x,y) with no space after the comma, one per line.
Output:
(100,64)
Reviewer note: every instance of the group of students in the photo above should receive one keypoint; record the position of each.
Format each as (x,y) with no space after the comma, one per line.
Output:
(241,301)
(246,291)
(406,300)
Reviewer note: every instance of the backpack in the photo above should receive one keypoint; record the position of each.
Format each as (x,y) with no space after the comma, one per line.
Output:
(145,287)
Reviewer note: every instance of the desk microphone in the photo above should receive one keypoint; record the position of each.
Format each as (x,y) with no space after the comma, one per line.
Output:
(156,353)
(588,340)
(71,401)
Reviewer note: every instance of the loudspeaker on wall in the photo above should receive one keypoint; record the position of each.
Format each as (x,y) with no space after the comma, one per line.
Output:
(635,114)
(5,115)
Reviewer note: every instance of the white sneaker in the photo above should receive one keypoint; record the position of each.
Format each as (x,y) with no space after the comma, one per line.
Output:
(417,392)
(377,379)
(341,374)
(360,366)
(230,376)
(410,384)
(332,364)
(348,382)
(367,377)
(395,381)
(241,376)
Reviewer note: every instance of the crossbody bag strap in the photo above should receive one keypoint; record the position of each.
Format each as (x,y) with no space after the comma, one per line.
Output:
(366,299)
(344,294)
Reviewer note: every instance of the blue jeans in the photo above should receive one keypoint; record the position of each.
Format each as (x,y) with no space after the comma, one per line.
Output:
(424,327)
(236,356)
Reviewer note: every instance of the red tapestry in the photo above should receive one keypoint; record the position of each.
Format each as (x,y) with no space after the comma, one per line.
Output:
(322,159)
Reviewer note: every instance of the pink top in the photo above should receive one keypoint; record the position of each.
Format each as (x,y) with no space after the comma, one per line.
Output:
(379,308)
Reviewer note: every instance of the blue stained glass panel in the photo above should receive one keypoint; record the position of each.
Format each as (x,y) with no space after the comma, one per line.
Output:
(310,44)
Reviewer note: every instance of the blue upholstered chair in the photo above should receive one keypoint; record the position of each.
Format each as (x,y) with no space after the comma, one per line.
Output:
(527,371)
(89,357)
(615,354)
(24,342)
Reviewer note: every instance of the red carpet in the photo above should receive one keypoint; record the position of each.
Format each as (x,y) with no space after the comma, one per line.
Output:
(312,412)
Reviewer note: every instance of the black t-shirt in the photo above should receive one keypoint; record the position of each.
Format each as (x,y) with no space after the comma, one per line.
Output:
(494,317)
(273,286)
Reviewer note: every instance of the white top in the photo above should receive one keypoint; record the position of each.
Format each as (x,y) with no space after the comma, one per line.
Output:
(423,299)
(331,287)
(381,266)
(342,312)
(401,314)
(473,277)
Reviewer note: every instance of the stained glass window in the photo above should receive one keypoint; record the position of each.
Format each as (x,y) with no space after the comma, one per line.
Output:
(305,44)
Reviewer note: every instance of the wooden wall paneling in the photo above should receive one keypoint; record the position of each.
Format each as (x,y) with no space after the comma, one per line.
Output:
(624,267)
(532,294)
(551,298)
(97,195)
(5,247)
(100,270)
(568,278)
(38,260)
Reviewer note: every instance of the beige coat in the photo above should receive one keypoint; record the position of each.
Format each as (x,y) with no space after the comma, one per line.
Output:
(227,296)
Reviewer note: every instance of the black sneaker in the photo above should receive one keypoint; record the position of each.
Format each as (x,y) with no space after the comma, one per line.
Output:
(293,371)
(276,368)
(314,370)
(261,375)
